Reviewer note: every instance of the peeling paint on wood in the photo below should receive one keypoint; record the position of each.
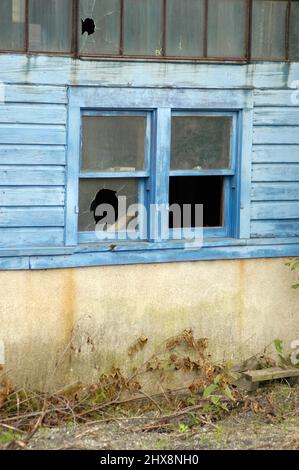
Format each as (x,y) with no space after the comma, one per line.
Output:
(34,140)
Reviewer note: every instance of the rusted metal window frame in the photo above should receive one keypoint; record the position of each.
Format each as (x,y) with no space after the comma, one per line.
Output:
(74,49)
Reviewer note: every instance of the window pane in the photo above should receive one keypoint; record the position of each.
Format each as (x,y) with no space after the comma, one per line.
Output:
(226,28)
(143,27)
(294,30)
(205,190)
(268,29)
(12,29)
(113,143)
(94,192)
(200,142)
(106,17)
(50,25)
(185,27)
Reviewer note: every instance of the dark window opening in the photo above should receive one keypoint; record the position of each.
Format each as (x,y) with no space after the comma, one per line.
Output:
(200,142)
(88,26)
(206,190)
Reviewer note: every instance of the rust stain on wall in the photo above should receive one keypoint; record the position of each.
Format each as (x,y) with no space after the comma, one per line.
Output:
(68,303)
(241,296)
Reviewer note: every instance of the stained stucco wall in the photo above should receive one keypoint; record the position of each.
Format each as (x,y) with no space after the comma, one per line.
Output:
(59,326)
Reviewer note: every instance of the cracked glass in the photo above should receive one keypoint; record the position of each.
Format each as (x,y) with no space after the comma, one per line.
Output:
(90,198)
(106,17)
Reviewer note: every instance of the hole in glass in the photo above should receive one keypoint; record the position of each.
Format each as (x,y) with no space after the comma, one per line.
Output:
(105,197)
(88,26)
(95,192)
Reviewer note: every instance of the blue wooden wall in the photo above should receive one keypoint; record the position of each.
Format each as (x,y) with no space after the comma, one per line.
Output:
(275,169)
(32,166)
(33,136)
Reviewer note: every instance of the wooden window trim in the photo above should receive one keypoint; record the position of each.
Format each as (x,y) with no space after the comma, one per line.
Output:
(82,99)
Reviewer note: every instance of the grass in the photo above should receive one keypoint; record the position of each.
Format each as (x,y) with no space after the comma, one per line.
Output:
(118,396)
(8,436)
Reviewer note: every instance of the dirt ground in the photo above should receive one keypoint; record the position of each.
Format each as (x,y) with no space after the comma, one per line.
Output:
(240,429)
(240,432)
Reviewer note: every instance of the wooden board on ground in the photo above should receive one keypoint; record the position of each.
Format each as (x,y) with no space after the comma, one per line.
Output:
(271,373)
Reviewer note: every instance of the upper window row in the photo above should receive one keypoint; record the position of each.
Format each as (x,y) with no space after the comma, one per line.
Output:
(199,29)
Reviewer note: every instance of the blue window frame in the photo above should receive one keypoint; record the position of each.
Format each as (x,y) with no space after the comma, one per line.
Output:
(124,176)
(228,172)
(159,108)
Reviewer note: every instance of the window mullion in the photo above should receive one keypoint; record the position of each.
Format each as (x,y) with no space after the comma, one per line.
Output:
(72,176)
(75,32)
(160,172)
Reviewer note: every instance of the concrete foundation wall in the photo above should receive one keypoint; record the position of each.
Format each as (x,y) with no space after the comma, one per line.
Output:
(59,326)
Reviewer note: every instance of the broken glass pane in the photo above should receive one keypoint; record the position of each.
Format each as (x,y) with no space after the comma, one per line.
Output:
(12,29)
(113,143)
(185,27)
(269,29)
(226,28)
(94,192)
(99,26)
(50,25)
(200,142)
(294,30)
(143,27)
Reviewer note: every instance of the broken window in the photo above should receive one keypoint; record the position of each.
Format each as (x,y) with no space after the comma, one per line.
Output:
(225,30)
(99,26)
(50,25)
(119,153)
(113,172)
(201,167)
(96,193)
(12,25)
